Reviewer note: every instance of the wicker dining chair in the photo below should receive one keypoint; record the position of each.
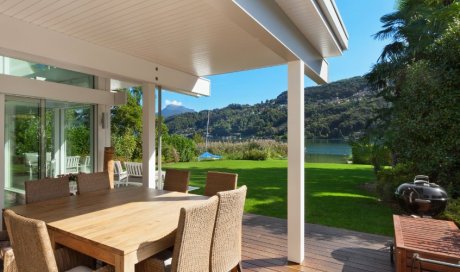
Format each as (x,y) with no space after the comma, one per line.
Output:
(193,242)
(226,242)
(6,253)
(176,180)
(93,182)
(219,181)
(32,249)
(46,189)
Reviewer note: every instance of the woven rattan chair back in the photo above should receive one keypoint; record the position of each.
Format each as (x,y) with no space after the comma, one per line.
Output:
(193,237)
(176,180)
(219,181)
(45,189)
(226,242)
(31,243)
(93,182)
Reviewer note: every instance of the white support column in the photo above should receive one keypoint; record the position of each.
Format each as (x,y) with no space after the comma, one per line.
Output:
(296,174)
(58,161)
(62,143)
(2,153)
(148,135)
(159,177)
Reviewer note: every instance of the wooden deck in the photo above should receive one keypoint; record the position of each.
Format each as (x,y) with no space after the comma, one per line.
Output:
(326,249)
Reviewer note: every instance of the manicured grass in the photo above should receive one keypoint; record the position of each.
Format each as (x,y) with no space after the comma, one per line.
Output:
(334,196)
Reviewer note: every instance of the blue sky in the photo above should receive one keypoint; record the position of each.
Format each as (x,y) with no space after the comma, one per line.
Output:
(361,18)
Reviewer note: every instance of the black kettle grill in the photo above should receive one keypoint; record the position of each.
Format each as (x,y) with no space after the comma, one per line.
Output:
(422,197)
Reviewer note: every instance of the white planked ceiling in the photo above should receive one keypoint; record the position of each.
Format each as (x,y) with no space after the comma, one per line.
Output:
(188,35)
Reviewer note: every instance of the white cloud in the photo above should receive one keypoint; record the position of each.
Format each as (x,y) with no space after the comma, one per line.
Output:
(173,102)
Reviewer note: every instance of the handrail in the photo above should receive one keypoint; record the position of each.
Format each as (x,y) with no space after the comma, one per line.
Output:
(417,257)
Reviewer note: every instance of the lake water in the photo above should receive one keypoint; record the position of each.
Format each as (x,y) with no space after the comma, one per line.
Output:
(327,151)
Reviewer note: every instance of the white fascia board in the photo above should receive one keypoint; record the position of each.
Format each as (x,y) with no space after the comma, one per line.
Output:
(20,86)
(332,14)
(275,29)
(29,42)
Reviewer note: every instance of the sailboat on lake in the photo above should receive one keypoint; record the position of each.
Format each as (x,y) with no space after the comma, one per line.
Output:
(207,155)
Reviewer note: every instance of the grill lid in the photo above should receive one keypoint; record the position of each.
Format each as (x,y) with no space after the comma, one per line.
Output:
(422,197)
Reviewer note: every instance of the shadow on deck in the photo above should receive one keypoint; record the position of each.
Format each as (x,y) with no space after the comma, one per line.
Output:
(326,249)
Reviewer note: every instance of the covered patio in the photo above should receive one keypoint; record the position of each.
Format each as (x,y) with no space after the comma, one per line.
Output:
(169,45)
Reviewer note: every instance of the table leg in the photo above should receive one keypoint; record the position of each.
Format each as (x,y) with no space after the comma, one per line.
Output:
(123,264)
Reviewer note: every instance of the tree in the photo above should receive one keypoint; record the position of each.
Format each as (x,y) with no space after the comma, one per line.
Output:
(419,75)
(128,117)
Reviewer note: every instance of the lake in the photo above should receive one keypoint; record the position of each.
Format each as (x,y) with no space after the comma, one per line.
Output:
(327,151)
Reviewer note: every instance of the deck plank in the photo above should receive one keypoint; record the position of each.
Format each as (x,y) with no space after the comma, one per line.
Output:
(326,248)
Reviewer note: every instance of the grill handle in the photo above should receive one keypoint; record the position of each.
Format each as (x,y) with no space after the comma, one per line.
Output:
(422,201)
(417,257)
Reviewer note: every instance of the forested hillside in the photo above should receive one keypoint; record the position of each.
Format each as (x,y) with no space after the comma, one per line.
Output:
(336,110)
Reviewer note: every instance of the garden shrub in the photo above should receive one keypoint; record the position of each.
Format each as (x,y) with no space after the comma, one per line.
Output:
(124,145)
(256,155)
(389,179)
(361,153)
(452,211)
(169,153)
(185,147)
(366,152)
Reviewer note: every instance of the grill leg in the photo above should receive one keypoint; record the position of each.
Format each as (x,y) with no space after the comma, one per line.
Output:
(391,245)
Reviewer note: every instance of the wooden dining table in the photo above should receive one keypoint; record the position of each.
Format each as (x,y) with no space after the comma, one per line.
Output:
(120,227)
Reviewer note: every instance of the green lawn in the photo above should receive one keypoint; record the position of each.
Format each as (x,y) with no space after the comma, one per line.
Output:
(333,193)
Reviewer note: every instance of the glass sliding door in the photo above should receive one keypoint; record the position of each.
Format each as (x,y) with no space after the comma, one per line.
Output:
(78,136)
(45,138)
(22,142)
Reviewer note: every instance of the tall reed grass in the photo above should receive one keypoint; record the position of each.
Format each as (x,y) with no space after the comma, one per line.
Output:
(247,150)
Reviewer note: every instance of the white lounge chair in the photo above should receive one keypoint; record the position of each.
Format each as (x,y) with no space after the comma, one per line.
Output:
(72,164)
(85,166)
(31,160)
(134,170)
(121,177)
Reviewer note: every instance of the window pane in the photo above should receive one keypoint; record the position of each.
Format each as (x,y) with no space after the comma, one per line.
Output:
(21,68)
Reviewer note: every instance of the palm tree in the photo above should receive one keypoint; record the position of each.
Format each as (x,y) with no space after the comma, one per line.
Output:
(413,28)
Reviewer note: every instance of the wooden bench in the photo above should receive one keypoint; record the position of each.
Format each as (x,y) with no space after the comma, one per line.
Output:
(433,240)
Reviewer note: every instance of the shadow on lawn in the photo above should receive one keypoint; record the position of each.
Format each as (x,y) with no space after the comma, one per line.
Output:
(333,194)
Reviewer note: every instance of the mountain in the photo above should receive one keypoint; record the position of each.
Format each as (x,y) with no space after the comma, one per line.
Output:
(336,110)
(172,110)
